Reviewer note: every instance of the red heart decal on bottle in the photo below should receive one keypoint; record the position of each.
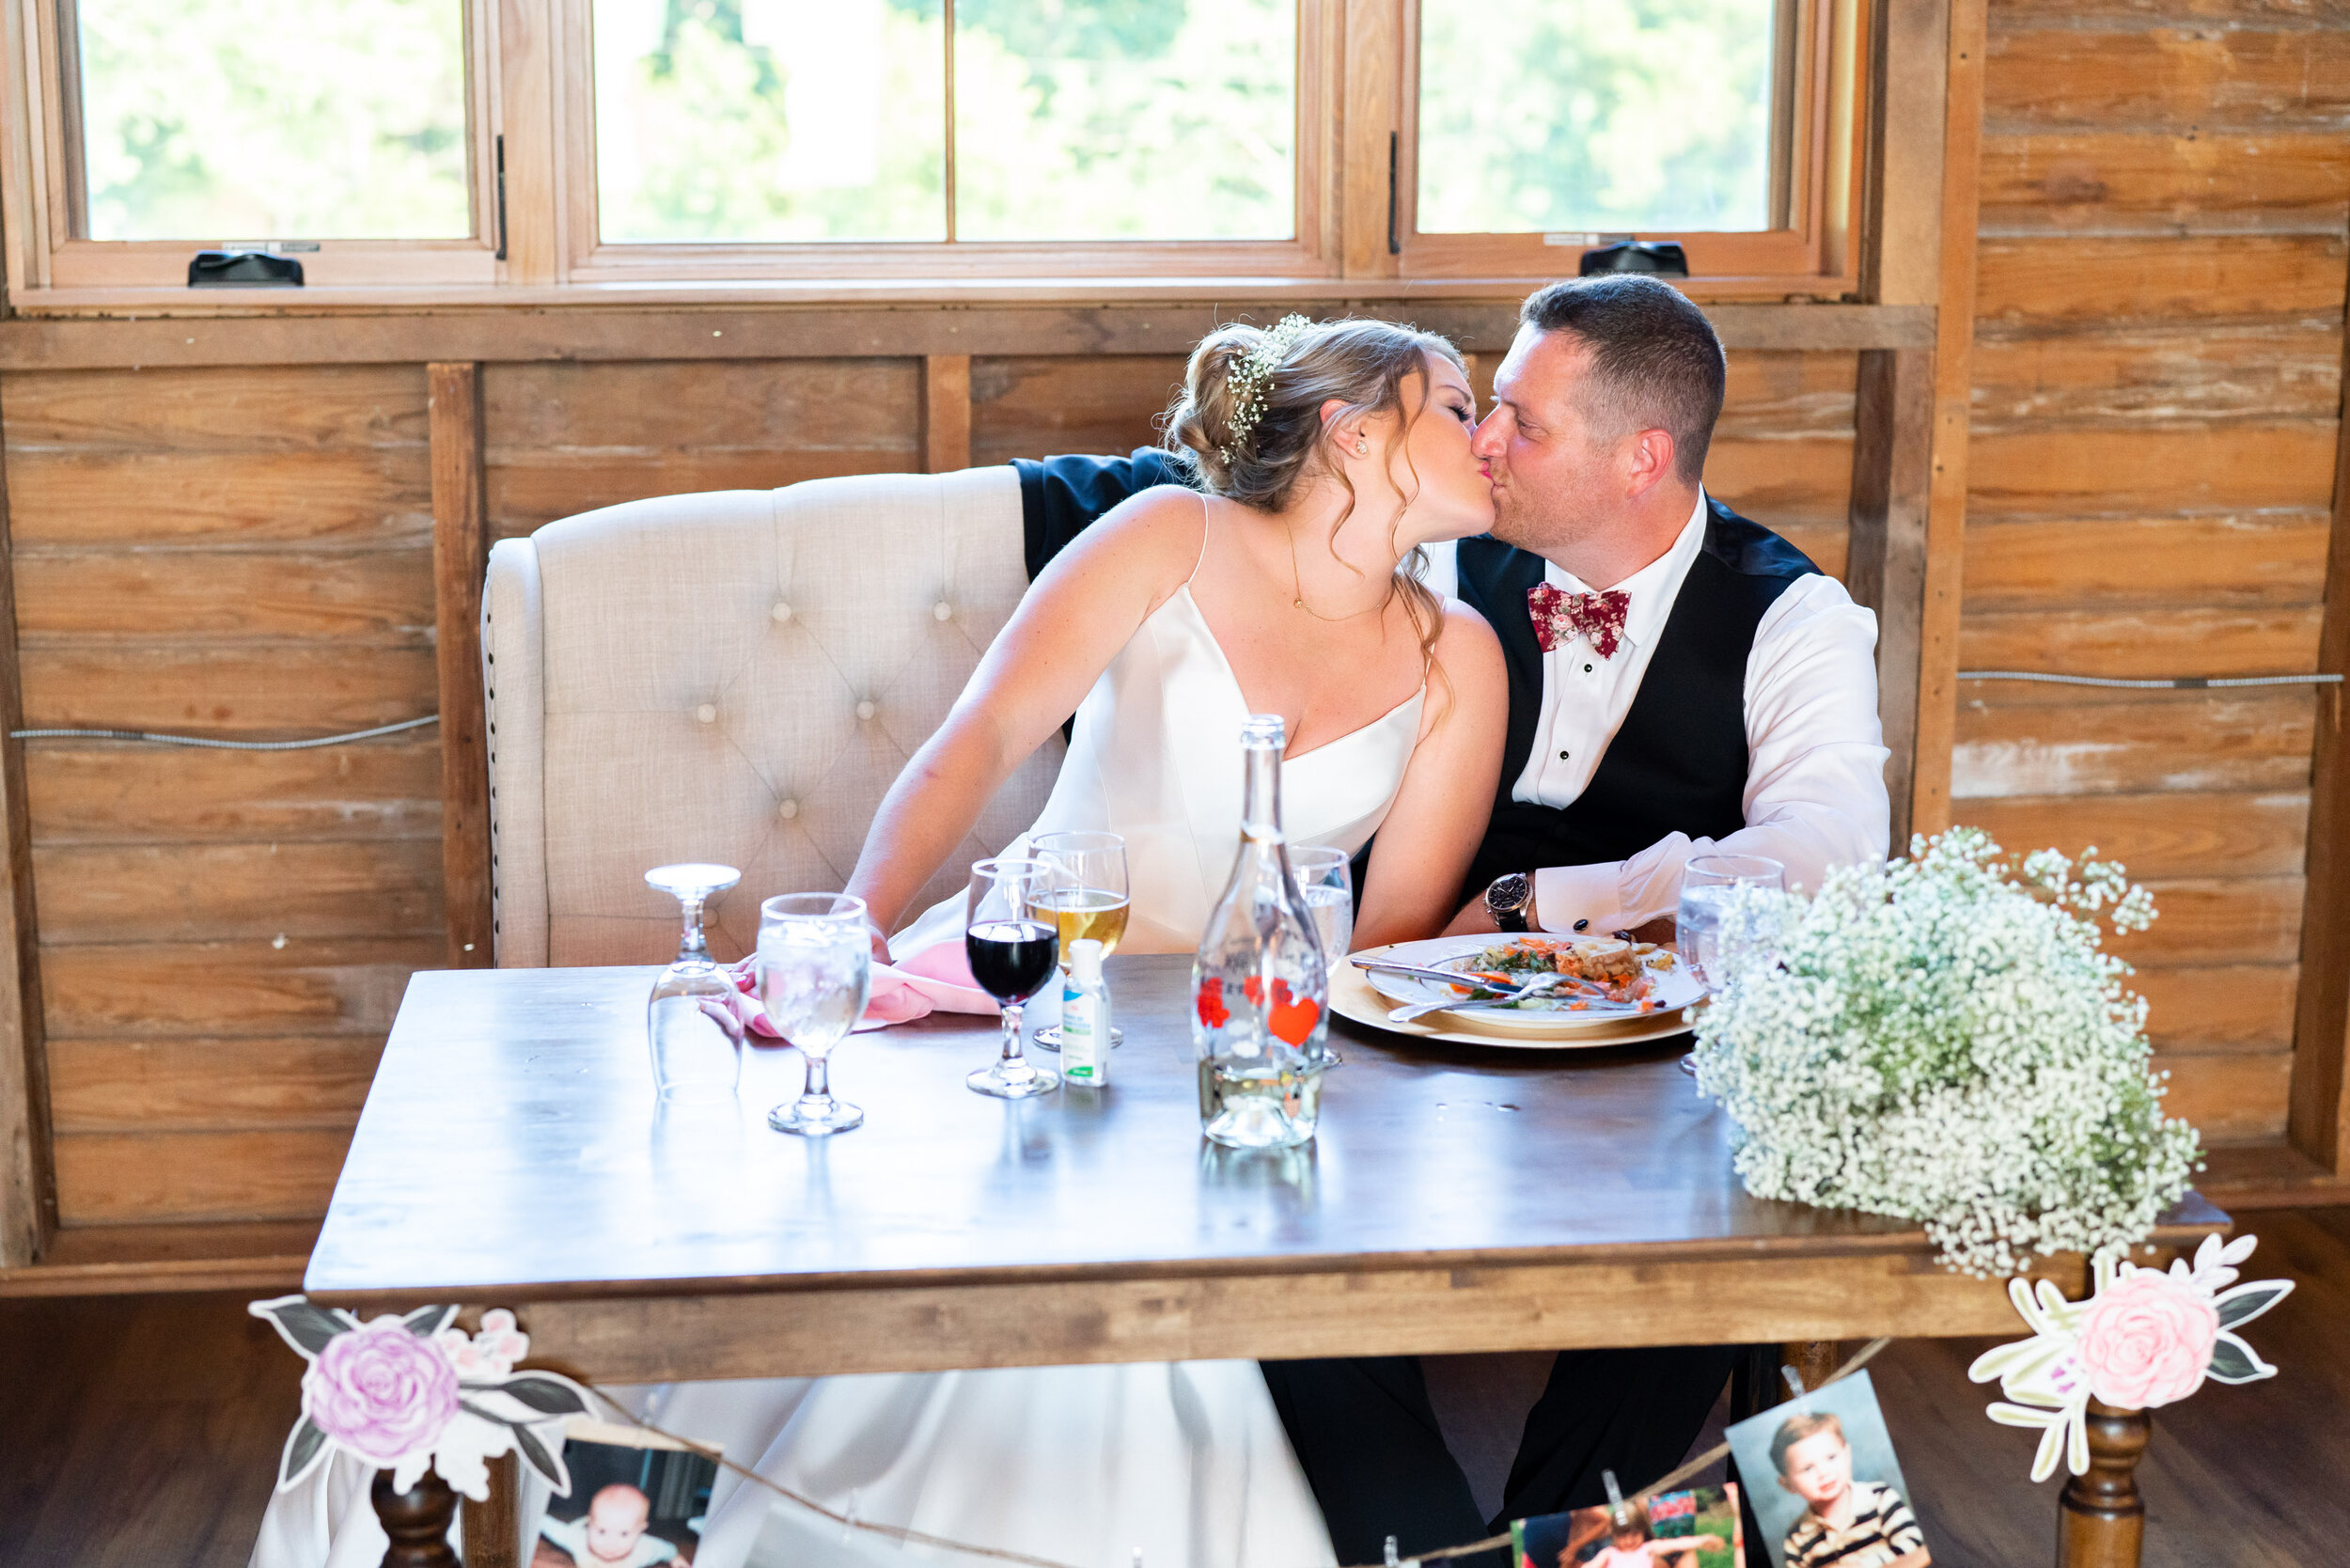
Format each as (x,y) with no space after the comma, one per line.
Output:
(1289,1019)
(1212,1011)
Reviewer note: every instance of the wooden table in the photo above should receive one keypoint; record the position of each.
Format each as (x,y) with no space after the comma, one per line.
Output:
(511,1153)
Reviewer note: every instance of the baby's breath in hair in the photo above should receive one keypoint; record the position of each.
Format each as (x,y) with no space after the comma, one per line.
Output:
(1248,380)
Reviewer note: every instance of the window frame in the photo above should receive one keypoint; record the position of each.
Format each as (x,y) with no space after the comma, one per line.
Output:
(1815,185)
(44,165)
(530,83)
(1309,252)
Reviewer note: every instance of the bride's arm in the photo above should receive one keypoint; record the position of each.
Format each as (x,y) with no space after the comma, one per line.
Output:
(1432,832)
(1070,625)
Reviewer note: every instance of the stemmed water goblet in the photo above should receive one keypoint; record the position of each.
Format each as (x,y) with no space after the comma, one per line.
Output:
(690,1021)
(1326,881)
(1715,936)
(1086,896)
(1012,942)
(815,967)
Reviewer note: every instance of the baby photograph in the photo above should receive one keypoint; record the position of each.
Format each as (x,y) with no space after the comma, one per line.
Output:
(1698,1528)
(636,1501)
(1824,1484)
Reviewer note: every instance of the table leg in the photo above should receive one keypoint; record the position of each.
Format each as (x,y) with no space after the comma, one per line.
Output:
(417,1521)
(2101,1520)
(491,1533)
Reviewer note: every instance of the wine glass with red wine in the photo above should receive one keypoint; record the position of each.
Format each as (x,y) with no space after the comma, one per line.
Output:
(1014,947)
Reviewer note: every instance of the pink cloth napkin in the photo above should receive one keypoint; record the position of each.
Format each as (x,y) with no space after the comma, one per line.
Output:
(937,979)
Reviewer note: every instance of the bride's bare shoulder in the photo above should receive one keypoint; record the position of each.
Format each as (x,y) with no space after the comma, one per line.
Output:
(1153,535)
(1469,656)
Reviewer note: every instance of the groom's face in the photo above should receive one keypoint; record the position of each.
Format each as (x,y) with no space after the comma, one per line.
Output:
(1551,472)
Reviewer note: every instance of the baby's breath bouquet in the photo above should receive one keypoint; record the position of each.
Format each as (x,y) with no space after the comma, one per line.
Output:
(1943,1038)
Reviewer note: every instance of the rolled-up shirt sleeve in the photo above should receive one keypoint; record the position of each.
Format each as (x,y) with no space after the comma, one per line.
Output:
(1815,773)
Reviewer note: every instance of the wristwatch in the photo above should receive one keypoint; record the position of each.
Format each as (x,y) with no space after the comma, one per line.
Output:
(1510,900)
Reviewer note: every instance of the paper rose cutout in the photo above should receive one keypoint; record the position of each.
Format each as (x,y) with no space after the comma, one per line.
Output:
(2142,1338)
(380,1392)
(2146,1340)
(412,1395)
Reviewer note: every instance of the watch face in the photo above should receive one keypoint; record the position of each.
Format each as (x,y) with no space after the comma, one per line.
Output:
(1509,893)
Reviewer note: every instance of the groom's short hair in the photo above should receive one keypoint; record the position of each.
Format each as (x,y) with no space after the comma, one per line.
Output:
(1656,362)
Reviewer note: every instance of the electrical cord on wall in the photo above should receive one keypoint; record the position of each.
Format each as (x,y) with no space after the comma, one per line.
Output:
(154,739)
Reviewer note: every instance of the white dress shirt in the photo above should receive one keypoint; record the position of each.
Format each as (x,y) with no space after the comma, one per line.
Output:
(1815,773)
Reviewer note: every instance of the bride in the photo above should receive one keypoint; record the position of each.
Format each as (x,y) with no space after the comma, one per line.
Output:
(1325,455)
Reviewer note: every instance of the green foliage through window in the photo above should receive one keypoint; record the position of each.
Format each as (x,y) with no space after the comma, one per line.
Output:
(267,119)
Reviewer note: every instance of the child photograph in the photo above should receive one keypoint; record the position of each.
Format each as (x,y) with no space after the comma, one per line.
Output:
(636,1501)
(1824,1484)
(1698,1528)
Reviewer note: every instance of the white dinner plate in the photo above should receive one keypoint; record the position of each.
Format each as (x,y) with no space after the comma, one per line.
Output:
(1676,991)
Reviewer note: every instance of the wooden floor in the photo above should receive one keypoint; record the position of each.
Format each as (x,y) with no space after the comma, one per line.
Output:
(141,1432)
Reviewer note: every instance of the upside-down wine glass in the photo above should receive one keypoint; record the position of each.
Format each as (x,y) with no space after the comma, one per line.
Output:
(815,971)
(1086,896)
(690,1022)
(1011,942)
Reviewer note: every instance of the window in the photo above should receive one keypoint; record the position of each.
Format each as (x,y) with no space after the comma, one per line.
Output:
(879,127)
(348,131)
(202,120)
(1729,125)
(816,144)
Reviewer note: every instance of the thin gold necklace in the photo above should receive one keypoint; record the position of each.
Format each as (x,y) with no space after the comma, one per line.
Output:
(1297,588)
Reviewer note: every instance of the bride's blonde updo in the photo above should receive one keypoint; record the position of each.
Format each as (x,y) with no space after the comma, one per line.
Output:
(1249,422)
(1251,431)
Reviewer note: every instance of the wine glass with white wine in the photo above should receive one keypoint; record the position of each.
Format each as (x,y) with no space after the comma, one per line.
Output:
(1084,895)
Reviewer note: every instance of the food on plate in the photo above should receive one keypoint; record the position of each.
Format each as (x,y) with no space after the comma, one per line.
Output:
(1597,968)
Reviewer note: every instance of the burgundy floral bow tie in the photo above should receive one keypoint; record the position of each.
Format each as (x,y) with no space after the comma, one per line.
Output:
(1596,617)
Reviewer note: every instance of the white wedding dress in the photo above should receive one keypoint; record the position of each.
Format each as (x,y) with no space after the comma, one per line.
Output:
(1186,1462)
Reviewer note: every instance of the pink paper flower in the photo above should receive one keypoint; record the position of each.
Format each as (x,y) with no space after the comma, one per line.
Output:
(2146,1340)
(381,1392)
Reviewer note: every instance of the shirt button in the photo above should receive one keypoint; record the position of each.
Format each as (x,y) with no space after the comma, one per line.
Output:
(1562,757)
(1582,925)
(1587,669)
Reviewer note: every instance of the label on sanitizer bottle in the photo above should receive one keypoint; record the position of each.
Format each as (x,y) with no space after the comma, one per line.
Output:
(1085,1018)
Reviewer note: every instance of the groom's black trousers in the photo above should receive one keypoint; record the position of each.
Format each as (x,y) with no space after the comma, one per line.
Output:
(1367,1437)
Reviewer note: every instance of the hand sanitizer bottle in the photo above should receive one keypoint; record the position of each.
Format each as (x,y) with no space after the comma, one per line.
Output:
(1085,1018)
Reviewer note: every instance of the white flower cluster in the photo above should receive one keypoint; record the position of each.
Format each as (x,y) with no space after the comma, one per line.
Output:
(1248,380)
(1942,1040)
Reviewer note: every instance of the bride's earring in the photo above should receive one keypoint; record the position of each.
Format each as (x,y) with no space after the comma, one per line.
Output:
(1362,447)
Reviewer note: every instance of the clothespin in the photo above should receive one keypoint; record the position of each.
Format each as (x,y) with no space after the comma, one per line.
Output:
(848,1521)
(1138,1556)
(1617,1512)
(1795,1380)
(1392,1561)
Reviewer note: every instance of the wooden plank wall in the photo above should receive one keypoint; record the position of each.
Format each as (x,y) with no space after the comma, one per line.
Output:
(2156,382)
(249,551)
(224,936)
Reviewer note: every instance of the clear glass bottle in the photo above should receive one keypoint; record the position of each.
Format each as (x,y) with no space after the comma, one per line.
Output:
(1260,985)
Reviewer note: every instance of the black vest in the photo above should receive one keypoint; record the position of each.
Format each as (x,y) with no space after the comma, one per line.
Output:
(1678,762)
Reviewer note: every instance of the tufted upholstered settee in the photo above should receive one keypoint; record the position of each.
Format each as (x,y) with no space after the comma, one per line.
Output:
(735,676)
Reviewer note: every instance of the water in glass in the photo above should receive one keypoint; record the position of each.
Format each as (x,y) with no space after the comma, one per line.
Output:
(815,972)
(1708,886)
(696,1035)
(1261,982)
(1327,884)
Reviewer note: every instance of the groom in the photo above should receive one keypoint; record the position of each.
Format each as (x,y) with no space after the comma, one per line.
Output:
(1682,680)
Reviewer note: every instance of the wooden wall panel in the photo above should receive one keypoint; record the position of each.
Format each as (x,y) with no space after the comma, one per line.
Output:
(2156,382)
(225,935)
(567,438)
